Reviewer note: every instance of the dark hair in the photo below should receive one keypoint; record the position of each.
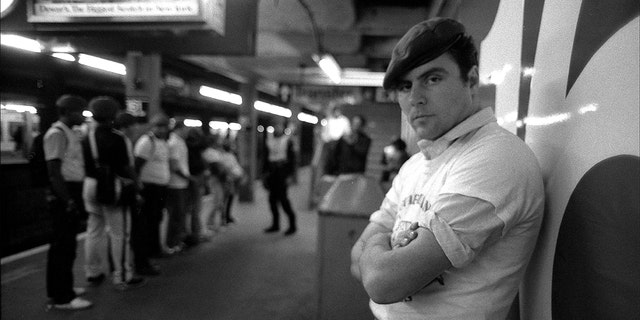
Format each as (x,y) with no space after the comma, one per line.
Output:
(124,120)
(70,103)
(465,54)
(104,108)
(399,144)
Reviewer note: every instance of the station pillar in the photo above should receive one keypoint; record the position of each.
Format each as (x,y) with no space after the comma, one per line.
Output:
(247,140)
(143,83)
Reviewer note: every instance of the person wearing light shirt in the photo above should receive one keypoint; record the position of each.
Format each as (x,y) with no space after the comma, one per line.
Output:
(454,234)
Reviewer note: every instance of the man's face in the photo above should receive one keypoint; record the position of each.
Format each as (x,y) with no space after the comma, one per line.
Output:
(435,98)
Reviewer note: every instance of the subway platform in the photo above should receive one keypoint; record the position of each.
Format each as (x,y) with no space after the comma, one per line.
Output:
(242,273)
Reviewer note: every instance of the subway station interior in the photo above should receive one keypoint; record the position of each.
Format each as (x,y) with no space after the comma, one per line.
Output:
(561,76)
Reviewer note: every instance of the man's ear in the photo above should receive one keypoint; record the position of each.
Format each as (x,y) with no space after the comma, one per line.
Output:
(474,77)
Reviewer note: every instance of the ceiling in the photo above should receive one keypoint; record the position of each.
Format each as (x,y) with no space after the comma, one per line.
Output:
(271,42)
(360,34)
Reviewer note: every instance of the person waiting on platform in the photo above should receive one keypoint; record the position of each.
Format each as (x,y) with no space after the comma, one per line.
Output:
(393,157)
(152,165)
(214,204)
(65,166)
(279,171)
(349,153)
(178,187)
(196,144)
(454,234)
(233,177)
(109,219)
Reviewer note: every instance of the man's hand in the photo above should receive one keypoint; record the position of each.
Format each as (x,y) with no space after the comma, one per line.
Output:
(405,237)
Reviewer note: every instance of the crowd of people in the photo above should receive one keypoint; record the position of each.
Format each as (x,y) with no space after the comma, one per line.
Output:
(126,184)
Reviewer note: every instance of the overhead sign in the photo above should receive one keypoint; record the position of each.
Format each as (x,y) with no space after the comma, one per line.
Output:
(211,12)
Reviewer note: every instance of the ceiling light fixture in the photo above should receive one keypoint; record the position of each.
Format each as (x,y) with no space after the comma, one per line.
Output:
(20,108)
(64,56)
(329,66)
(102,64)
(221,95)
(325,60)
(308,118)
(273,109)
(19,42)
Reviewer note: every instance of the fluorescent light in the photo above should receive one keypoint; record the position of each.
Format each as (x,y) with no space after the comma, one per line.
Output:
(308,118)
(235,126)
(588,108)
(192,123)
(87,114)
(271,129)
(330,67)
(218,125)
(102,64)
(20,108)
(273,109)
(67,48)
(19,42)
(360,78)
(221,95)
(260,128)
(64,56)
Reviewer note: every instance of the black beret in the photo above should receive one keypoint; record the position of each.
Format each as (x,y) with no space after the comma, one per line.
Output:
(424,42)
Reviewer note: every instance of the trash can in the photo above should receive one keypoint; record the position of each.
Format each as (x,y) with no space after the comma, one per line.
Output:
(343,214)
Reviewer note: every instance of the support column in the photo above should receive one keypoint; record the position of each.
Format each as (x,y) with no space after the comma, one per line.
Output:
(143,83)
(247,140)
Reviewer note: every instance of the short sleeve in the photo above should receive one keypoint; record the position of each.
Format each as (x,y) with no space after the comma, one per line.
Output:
(143,148)
(54,144)
(463,226)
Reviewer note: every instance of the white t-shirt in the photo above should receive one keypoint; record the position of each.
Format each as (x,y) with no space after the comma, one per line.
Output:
(61,142)
(277,147)
(479,190)
(156,152)
(178,152)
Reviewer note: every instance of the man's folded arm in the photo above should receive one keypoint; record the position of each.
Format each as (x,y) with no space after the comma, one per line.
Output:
(390,275)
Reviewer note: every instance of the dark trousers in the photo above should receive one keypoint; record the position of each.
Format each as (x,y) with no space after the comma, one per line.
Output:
(155,198)
(176,209)
(138,236)
(277,183)
(62,250)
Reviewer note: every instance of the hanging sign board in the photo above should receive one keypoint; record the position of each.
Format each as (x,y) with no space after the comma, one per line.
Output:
(211,12)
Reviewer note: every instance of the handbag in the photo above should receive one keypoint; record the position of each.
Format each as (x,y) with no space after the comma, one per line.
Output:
(108,185)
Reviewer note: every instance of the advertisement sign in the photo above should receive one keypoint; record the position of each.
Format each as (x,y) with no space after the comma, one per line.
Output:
(211,12)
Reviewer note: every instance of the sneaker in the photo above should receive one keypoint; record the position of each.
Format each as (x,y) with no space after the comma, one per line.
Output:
(135,282)
(75,304)
(272,229)
(79,290)
(96,280)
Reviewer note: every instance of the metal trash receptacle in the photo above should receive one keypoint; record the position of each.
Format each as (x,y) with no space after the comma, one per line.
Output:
(343,214)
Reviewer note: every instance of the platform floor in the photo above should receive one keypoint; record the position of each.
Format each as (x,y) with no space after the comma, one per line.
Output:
(242,273)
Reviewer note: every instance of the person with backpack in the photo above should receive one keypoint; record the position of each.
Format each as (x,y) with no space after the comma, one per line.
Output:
(108,171)
(65,167)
